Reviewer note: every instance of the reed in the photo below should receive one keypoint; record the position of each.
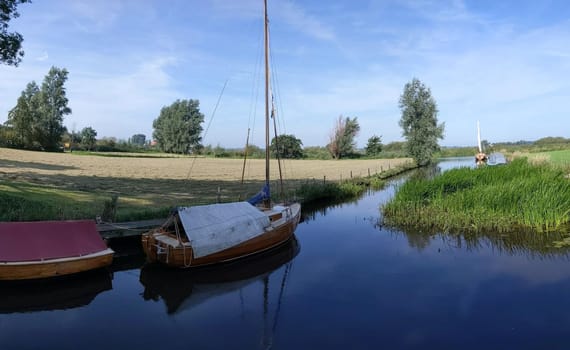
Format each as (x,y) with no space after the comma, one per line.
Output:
(517,196)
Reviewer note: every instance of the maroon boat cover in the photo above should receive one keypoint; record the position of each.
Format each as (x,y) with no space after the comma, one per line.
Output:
(42,240)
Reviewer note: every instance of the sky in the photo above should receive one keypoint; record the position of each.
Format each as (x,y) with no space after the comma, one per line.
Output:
(504,63)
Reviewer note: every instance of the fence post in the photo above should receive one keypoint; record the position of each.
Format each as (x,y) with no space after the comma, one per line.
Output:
(324,179)
(351,174)
(368,172)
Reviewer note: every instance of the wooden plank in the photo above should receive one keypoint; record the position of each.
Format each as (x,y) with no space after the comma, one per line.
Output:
(127,229)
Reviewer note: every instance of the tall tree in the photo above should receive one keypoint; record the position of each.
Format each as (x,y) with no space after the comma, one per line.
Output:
(374,146)
(53,106)
(342,137)
(24,117)
(287,146)
(11,52)
(138,139)
(177,129)
(88,137)
(419,122)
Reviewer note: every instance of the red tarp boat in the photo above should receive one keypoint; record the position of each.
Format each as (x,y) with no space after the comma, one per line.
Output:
(50,248)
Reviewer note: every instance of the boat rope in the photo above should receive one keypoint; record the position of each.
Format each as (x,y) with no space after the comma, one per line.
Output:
(117,226)
(208,126)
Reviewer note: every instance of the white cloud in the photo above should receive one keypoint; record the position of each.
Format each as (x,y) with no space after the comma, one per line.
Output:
(43,57)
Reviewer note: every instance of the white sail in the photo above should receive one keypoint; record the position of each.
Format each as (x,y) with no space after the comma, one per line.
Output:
(479,138)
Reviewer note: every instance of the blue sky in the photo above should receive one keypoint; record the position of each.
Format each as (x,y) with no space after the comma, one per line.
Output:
(505,63)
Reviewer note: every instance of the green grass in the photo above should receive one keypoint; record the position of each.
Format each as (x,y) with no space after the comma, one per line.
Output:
(558,158)
(517,196)
(21,201)
(316,191)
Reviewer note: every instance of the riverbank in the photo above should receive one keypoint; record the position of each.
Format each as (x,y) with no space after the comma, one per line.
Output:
(517,196)
(58,186)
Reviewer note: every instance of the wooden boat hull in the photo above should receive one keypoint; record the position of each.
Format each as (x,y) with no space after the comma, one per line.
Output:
(55,267)
(181,256)
(182,289)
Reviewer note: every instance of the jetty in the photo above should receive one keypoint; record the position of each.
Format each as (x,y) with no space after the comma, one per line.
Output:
(127,229)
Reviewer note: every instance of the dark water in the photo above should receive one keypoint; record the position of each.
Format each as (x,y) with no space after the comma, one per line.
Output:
(346,282)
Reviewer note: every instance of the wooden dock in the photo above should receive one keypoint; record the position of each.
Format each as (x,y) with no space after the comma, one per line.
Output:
(127,229)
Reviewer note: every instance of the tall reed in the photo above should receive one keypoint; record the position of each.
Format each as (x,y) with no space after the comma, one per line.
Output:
(503,198)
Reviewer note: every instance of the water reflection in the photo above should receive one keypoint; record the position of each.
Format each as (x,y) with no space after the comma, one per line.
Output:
(51,294)
(184,289)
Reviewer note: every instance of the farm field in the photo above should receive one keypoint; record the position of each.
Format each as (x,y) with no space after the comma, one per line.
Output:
(36,184)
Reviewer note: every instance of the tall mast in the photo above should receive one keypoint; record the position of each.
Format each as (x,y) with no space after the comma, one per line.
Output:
(266,37)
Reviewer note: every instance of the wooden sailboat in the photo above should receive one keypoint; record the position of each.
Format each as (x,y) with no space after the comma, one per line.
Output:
(185,289)
(40,249)
(211,234)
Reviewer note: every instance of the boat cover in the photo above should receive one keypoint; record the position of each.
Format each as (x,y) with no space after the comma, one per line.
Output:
(44,240)
(213,228)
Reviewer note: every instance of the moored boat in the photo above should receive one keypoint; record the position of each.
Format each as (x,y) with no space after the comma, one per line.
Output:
(211,234)
(185,289)
(41,249)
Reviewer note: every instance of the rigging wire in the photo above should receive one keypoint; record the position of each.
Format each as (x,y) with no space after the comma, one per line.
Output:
(208,126)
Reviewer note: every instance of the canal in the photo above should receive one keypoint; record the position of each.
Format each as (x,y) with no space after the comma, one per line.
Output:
(346,281)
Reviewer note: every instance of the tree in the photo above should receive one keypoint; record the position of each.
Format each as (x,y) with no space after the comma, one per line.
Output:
(286,146)
(138,139)
(374,146)
(342,137)
(24,117)
(419,122)
(88,137)
(53,107)
(177,129)
(11,52)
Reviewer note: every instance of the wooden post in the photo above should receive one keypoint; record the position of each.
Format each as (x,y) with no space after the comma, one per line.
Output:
(368,172)
(351,174)
(219,195)
(324,179)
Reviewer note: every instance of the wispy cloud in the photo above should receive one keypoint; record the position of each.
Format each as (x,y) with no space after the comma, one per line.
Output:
(304,22)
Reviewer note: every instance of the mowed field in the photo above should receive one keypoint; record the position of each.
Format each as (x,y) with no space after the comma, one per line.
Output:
(153,182)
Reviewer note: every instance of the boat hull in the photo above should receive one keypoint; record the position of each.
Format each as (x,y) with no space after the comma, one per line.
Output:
(181,256)
(55,267)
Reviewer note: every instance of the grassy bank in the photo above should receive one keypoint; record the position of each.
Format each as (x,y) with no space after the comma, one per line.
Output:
(504,198)
(314,191)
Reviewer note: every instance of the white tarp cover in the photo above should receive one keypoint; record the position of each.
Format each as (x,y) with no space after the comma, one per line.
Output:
(213,228)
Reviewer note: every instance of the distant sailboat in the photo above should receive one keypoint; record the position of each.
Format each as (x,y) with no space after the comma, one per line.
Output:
(211,234)
(495,158)
(480,157)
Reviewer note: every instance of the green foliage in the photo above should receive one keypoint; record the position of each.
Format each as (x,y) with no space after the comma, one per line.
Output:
(88,137)
(11,52)
(53,108)
(374,146)
(456,152)
(552,140)
(25,116)
(286,147)
(419,122)
(342,136)
(501,198)
(178,127)
(138,139)
(317,152)
(37,119)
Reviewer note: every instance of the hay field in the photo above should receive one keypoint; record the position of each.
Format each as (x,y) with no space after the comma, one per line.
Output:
(162,182)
